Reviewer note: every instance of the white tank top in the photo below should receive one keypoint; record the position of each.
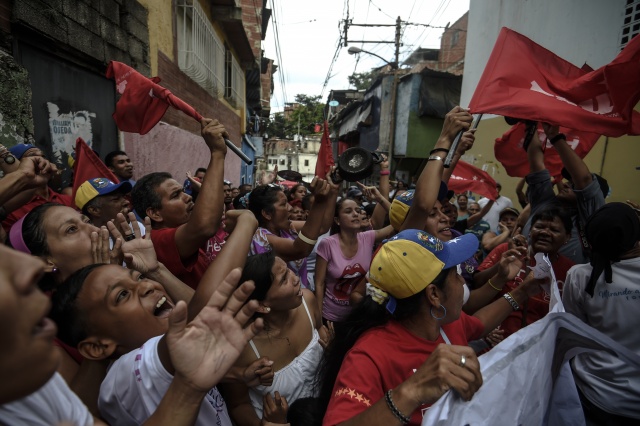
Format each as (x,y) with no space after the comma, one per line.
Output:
(295,380)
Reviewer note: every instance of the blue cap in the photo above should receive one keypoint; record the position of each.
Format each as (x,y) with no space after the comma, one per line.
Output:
(409,261)
(19,150)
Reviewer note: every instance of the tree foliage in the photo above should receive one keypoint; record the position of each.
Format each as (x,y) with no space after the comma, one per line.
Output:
(305,113)
(362,80)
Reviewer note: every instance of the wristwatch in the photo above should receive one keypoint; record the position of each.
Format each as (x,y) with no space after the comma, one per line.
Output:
(9,159)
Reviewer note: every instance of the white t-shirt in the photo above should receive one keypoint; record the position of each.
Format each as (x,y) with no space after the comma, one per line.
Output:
(493,215)
(135,385)
(606,381)
(52,404)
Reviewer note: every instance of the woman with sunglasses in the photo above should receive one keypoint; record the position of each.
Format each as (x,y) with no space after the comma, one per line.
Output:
(275,230)
(343,259)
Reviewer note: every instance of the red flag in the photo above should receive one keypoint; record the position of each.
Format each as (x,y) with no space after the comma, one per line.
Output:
(143,101)
(466,177)
(325,155)
(525,80)
(88,166)
(509,152)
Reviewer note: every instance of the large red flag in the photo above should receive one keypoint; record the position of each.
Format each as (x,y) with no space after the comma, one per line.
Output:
(524,80)
(509,152)
(466,177)
(88,166)
(325,155)
(143,101)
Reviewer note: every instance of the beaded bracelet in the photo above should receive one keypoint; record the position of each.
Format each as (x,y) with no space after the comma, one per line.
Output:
(512,301)
(492,286)
(398,415)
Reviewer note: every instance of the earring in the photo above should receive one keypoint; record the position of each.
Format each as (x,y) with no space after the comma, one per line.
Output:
(438,318)
(54,270)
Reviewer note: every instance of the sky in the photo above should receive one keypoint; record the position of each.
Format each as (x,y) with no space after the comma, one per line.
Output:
(302,39)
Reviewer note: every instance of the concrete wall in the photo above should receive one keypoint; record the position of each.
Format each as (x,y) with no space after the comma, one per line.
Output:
(577,30)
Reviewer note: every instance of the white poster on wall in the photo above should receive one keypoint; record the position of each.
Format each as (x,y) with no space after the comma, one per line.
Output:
(65,128)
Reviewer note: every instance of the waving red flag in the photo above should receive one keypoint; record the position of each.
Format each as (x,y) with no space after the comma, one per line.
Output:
(509,152)
(143,101)
(466,177)
(524,80)
(325,155)
(88,166)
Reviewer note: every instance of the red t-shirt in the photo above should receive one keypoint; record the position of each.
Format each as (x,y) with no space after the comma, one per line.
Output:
(36,201)
(383,358)
(493,257)
(537,306)
(189,270)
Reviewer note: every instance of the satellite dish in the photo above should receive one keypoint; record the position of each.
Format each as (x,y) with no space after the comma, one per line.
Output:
(334,103)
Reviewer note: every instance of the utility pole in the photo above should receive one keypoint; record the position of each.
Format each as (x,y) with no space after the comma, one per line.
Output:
(394,96)
(394,87)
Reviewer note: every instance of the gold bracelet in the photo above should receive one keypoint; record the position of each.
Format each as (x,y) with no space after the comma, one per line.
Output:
(306,239)
(492,286)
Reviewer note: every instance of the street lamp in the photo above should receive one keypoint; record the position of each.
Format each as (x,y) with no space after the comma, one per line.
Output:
(355,50)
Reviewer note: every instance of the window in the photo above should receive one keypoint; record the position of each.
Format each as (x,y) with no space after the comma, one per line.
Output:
(234,79)
(282,161)
(201,53)
(454,38)
(304,145)
(306,163)
(631,23)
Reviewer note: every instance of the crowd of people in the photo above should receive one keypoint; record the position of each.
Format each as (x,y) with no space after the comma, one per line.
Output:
(152,301)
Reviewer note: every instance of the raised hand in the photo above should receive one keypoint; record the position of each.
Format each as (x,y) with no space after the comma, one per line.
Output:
(456,120)
(214,133)
(466,141)
(195,183)
(37,171)
(327,333)
(269,177)
(274,410)
(138,251)
(370,192)
(205,349)
(232,217)
(444,370)
(259,373)
(100,250)
(496,336)
(320,188)
(511,263)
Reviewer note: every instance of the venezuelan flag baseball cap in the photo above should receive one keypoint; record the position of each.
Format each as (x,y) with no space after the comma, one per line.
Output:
(98,186)
(408,262)
(401,204)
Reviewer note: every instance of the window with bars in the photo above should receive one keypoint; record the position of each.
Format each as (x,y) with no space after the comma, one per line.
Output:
(201,53)
(234,80)
(631,24)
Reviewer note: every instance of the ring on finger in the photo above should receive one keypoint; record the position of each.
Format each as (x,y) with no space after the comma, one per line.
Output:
(129,237)
(463,361)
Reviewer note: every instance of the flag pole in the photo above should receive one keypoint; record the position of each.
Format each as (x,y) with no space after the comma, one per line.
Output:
(456,141)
